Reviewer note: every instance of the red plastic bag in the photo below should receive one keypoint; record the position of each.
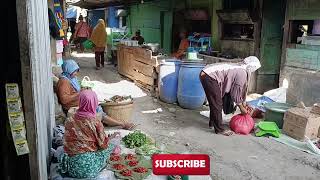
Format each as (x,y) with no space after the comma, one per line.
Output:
(65,42)
(241,124)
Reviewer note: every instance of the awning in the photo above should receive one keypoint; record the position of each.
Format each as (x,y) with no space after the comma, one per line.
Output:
(93,4)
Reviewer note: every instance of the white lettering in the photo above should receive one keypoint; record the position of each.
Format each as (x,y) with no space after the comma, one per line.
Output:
(202,163)
(180,163)
(196,164)
(162,164)
(187,163)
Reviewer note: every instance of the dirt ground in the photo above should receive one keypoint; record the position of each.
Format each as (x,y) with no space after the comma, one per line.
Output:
(236,157)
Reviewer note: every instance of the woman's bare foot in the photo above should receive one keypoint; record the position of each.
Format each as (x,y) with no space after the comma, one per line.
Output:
(129,126)
(226,133)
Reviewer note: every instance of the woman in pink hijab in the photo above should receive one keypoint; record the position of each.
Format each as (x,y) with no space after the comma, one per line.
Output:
(88,103)
(86,145)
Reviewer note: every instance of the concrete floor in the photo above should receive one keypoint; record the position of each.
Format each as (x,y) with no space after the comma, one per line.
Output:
(236,157)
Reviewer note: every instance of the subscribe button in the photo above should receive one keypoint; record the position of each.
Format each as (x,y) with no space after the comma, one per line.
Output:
(181,164)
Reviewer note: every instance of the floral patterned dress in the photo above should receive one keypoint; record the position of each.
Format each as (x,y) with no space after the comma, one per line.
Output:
(86,148)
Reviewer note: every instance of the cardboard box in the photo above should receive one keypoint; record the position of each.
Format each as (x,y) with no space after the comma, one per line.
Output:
(299,122)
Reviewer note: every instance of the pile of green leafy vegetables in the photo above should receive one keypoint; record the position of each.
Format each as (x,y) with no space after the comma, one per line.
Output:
(135,139)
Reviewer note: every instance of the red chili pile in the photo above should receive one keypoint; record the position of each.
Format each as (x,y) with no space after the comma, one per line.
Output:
(118,166)
(115,158)
(126,172)
(140,170)
(132,163)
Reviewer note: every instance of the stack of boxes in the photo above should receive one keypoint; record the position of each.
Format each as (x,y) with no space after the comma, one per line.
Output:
(301,122)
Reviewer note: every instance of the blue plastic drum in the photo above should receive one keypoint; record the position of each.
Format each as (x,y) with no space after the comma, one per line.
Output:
(191,94)
(168,80)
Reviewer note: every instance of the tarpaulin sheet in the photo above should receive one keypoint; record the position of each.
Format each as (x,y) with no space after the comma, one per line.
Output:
(71,12)
(302,146)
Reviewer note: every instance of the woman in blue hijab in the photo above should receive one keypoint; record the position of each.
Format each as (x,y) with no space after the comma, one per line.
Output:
(70,69)
(68,90)
(68,87)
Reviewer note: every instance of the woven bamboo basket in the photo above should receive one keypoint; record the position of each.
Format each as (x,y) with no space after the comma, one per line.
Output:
(119,111)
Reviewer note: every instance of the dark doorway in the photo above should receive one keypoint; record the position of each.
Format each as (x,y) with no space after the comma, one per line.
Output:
(13,166)
(271,43)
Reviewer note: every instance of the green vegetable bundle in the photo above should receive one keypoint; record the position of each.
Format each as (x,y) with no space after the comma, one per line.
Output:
(148,150)
(135,139)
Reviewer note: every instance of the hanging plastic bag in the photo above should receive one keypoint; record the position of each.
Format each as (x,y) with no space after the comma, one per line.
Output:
(88,44)
(86,83)
(242,124)
(116,142)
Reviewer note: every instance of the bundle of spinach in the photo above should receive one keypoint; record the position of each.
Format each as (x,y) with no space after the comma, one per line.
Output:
(135,139)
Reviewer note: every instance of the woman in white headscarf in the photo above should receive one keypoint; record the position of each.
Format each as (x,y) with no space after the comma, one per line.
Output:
(224,85)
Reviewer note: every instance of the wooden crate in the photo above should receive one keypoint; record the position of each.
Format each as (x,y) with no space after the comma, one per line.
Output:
(151,90)
(139,65)
(145,69)
(143,78)
(299,122)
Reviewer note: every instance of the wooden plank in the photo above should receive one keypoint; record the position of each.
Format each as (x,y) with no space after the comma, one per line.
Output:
(37,85)
(144,79)
(144,86)
(127,67)
(144,52)
(120,59)
(309,47)
(303,58)
(145,60)
(145,69)
(127,75)
(148,89)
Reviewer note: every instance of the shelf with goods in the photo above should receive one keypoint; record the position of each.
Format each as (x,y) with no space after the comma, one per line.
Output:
(199,44)
(115,35)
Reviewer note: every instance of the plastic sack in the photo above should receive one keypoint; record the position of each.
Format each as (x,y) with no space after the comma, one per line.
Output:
(88,44)
(259,103)
(86,83)
(242,124)
(116,142)
(257,106)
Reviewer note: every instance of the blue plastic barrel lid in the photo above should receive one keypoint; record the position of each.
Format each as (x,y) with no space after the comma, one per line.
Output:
(170,62)
(192,65)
